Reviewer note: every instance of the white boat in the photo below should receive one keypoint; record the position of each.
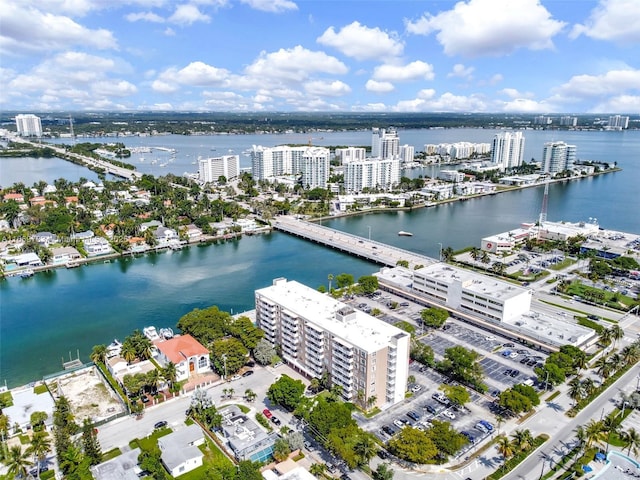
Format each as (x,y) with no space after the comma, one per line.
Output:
(114,348)
(402,233)
(26,273)
(151,333)
(166,333)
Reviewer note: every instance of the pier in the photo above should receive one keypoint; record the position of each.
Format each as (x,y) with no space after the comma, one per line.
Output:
(377,252)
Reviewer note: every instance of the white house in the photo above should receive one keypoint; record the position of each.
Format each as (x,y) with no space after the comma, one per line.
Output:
(150,224)
(45,238)
(179,450)
(64,255)
(97,246)
(165,234)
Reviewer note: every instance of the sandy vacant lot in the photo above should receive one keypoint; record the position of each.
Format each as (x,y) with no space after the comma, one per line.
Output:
(86,393)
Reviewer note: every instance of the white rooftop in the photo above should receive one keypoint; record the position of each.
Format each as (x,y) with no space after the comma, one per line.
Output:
(471,281)
(365,331)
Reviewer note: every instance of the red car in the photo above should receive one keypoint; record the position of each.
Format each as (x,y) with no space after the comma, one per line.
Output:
(267,413)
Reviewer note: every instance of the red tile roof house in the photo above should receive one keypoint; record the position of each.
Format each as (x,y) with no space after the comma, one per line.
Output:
(189,355)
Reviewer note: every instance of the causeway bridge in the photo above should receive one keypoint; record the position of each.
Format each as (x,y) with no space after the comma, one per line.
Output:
(376,252)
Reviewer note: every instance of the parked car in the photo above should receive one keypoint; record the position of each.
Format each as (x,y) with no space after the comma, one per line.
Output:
(468,436)
(160,424)
(398,423)
(431,409)
(486,425)
(236,377)
(514,373)
(481,427)
(416,388)
(275,420)
(383,454)
(247,373)
(413,415)
(267,413)
(449,415)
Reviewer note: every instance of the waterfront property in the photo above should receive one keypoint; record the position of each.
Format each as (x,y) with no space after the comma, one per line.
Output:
(188,355)
(26,402)
(123,467)
(367,357)
(246,438)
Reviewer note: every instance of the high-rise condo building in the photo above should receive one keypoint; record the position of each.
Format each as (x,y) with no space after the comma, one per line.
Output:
(349,154)
(311,163)
(407,152)
(568,121)
(374,173)
(385,143)
(28,125)
(618,122)
(558,157)
(367,357)
(508,150)
(211,169)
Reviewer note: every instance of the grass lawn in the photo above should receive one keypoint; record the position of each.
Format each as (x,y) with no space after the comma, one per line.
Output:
(111,454)
(6,399)
(150,442)
(40,389)
(563,264)
(600,296)
(213,457)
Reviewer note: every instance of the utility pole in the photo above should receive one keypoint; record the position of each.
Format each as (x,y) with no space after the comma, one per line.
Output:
(224,362)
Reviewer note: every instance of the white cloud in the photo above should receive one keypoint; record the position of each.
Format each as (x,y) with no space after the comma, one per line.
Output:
(495,79)
(398,73)
(371,107)
(459,70)
(144,16)
(197,74)
(188,14)
(490,27)
(29,30)
(169,32)
(515,94)
(294,64)
(163,87)
(615,20)
(617,82)
(526,105)
(110,88)
(362,43)
(426,101)
(276,6)
(619,103)
(328,89)
(379,87)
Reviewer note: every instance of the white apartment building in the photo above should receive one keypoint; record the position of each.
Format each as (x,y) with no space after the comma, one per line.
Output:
(407,152)
(557,157)
(451,175)
(508,150)
(542,120)
(312,163)
(568,121)
(385,143)
(371,173)
(211,169)
(470,292)
(618,122)
(28,125)
(319,334)
(350,154)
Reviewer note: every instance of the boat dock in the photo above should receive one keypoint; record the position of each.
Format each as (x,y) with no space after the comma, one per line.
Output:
(377,252)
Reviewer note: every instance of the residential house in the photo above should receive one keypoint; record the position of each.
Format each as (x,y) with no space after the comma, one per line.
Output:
(123,467)
(28,259)
(18,197)
(46,239)
(247,439)
(165,234)
(64,255)
(193,232)
(179,450)
(150,224)
(97,246)
(188,355)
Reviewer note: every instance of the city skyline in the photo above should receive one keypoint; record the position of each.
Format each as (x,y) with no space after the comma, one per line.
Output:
(519,56)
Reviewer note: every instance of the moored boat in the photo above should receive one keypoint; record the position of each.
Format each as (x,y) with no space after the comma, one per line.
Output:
(402,233)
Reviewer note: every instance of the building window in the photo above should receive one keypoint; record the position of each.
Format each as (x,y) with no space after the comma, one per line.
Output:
(202,362)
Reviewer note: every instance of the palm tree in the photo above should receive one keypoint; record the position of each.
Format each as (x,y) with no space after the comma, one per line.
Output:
(616,362)
(17,462)
(230,392)
(128,352)
(365,448)
(603,367)
(499,421)
(617,333)
(630,354)
(447,254)
(588,386)
(505,447)
(317,469)
(581,436)
(170,373)
(330,278)
(593,432)
(371,401)
(40,445)
(98,353)
(522,439)
(475,253)
(605,337)
(576,389)
(631,439)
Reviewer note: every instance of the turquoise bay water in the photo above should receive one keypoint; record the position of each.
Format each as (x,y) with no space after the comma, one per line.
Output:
(44,318)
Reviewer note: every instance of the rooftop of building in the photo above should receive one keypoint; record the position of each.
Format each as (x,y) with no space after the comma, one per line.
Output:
(471,281)
(242,433)
(178,446)
(180,348)
(122,467)
(327,313)
(511,235)
(550,329)
(621,243)
(570,229)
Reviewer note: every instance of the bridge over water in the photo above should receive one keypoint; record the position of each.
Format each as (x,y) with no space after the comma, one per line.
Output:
(377,252)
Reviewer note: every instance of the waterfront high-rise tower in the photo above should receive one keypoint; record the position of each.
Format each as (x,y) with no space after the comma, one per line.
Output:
(558,157)
(28,125)
(508,150)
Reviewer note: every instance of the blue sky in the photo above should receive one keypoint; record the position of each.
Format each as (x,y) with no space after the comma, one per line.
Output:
(547,56)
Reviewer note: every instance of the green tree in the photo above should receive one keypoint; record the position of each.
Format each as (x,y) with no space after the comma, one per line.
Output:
(344,280)
(365,449)
(37,420)
(434,317)
(39,446)
(281,449)
(205,325)
(522,439)
(457,394)
(17,462)
(382,472)
(631,439)
(505,447)
(90,444)
(317,469)
(286,392)
(228,355)
(462,365)
(264,352)
(368,284)
(98,353)
(413,445)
